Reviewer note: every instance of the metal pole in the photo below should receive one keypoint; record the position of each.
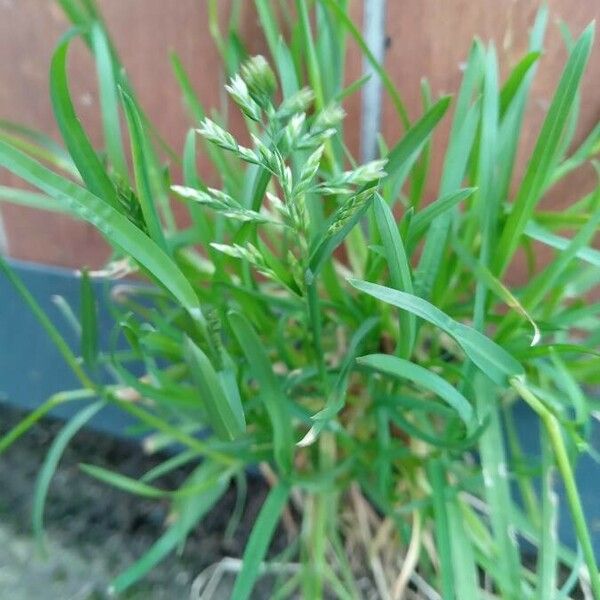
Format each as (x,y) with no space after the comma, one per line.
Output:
(374,34)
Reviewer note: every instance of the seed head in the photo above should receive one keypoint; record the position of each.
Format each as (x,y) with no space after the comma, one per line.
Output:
(239,92)
(260,79)
(296,103)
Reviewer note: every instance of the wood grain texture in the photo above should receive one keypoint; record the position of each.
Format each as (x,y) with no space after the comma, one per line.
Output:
(427,38)
(144,31)
(432,38)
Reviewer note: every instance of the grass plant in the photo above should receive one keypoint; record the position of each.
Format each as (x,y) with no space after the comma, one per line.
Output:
(318,319)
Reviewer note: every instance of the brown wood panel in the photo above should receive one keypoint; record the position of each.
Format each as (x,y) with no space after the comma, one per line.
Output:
(427,38)
(431,38)
(144,31)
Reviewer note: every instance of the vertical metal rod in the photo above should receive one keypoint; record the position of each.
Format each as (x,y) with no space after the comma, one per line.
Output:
(3,238)
(374,34)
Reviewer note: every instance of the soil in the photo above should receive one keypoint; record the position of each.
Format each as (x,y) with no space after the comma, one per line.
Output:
(94,531)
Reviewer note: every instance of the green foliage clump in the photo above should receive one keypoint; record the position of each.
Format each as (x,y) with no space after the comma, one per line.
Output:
(318,319)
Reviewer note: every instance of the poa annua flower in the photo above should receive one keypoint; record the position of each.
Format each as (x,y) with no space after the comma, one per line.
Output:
(293,130)
(215,134)
(330,117)
(238,90)
(260,79)
(296,103)
(349,209)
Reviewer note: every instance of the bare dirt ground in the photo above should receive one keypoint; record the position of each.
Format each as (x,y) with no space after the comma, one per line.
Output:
(94,531)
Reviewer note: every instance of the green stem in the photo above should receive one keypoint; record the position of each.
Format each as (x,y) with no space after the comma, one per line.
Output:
(564,466)
(314,318)
(315,542)
(528,494)
(34,416)
(320,505)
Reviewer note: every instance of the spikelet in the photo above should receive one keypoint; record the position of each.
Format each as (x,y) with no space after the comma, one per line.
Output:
(309,170)
(213,328)
(293,131)
(296,103)
(260,80)
(248,252)
(238,90)
(362,175)
(330,117)
(215,134)
(350,207)
(221,202)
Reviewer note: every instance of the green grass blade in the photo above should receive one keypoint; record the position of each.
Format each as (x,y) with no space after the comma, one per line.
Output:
(279,50)
(168,465)
(270,390)
(568,385)
(400,275)
(51,461)
(495,472)
(47,324)
(143,489)
(84,20)
(421,221)
(260,538)
(330,49)
(30,199)
(588,148)
(541,234)
(403,155)
(202,448)
(462,134)
(11,436)
(457,155)
(109,101)
(547,553)
(270,26)
(312,62)
(563,462)
(142,168)
(190,98)
(74,12)
(492,359)
(496,287)
(420,172)
(328,243)
(403,369)
(76,140)
(513,105)
(120,232)
(487,203)
(197,113)
(545,282)
(123,483)
(435,471)
(188,512)
(337,397)
(89,322)
(463,560)
(39,145)
(225,410)
(340,13)
(515,80)
(192,179)
(544,153)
